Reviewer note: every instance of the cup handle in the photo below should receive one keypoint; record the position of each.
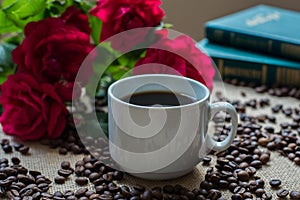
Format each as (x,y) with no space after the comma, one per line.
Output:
(228,108)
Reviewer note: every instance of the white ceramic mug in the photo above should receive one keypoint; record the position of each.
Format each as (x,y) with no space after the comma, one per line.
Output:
(155,142)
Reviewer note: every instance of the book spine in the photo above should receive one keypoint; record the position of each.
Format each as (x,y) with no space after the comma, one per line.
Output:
(253,43)
(258,73)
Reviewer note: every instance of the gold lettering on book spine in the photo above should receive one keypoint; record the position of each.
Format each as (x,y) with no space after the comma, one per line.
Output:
(242,72)
(270,45)
(290,50)
(218,35)
(220,65)
(264,74)
(289,77)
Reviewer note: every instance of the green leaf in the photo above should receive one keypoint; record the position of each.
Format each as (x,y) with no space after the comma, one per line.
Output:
(6,25)
(167,25)
(21,12)
(96,25)
(55,8)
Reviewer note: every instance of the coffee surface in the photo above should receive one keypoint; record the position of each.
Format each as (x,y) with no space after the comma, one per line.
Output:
(158,98)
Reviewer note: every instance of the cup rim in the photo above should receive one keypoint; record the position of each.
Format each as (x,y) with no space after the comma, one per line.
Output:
(198,101)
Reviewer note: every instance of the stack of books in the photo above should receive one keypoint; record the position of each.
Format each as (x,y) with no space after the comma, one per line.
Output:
(260,44)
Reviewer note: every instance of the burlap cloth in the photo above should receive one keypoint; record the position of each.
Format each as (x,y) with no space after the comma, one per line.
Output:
(48,160)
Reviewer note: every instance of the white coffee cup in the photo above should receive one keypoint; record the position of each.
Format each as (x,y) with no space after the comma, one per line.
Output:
(163,142)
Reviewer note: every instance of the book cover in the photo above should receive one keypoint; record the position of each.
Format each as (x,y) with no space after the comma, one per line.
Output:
(261,28)
(250,66)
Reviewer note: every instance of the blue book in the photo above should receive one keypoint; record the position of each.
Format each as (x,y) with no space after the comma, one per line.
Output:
(252,67)
(261,28)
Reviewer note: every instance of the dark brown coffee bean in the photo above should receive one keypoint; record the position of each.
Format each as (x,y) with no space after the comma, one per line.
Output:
(282,193)
(118,175)
(81,181)
(267,196)
(247,195)
(295,195)
(65,172)
(59,179)
(259,192)
(206,160)
(243,175)
(7,148)
(297,160)
(62,151)
(168,189)
(214,194)
(275,182)
(260,183)
(223,184)
(237,197)
(264,158)
(65,165)
(17,146)
(15,160)
(239,190)
(80,192)
(147,195)
(24,150)
(256,163)
(251,170)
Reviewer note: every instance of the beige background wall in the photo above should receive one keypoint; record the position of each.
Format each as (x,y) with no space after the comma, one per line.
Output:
(189,16)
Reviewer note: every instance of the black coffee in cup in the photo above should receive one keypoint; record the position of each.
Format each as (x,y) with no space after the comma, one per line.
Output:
(159,98)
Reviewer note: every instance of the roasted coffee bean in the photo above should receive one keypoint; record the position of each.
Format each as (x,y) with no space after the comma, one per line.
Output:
(264,158)
(260,183)
(168,189)
(17,146)
(65,165)
(62,151)
(259,192)
(15,160)
(267,196)
(24,150)
(80,192)
(118,175)
(7,148)
(243,175)
(232,186)
(147,195)
(206,160)
(282,193)
(59,179)
(275,182)
(247,195)
(239,190)
(256,163)
(295,195)
(237,197)
(214,194)
(65,172)
(81,181)
(223,184)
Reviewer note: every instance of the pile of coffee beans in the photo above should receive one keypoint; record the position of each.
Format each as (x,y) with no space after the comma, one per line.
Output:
(17,182)
(275,90)
(235,169)
(8,148)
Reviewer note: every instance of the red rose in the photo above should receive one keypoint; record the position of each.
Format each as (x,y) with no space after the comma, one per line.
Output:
(122,15)
(177,56)
(54,48)
(31,110)
(65,90)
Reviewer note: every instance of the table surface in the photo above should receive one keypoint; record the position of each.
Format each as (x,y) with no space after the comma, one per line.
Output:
(47,160)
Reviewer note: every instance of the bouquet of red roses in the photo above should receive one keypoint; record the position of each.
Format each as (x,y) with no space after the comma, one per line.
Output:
(44,43)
